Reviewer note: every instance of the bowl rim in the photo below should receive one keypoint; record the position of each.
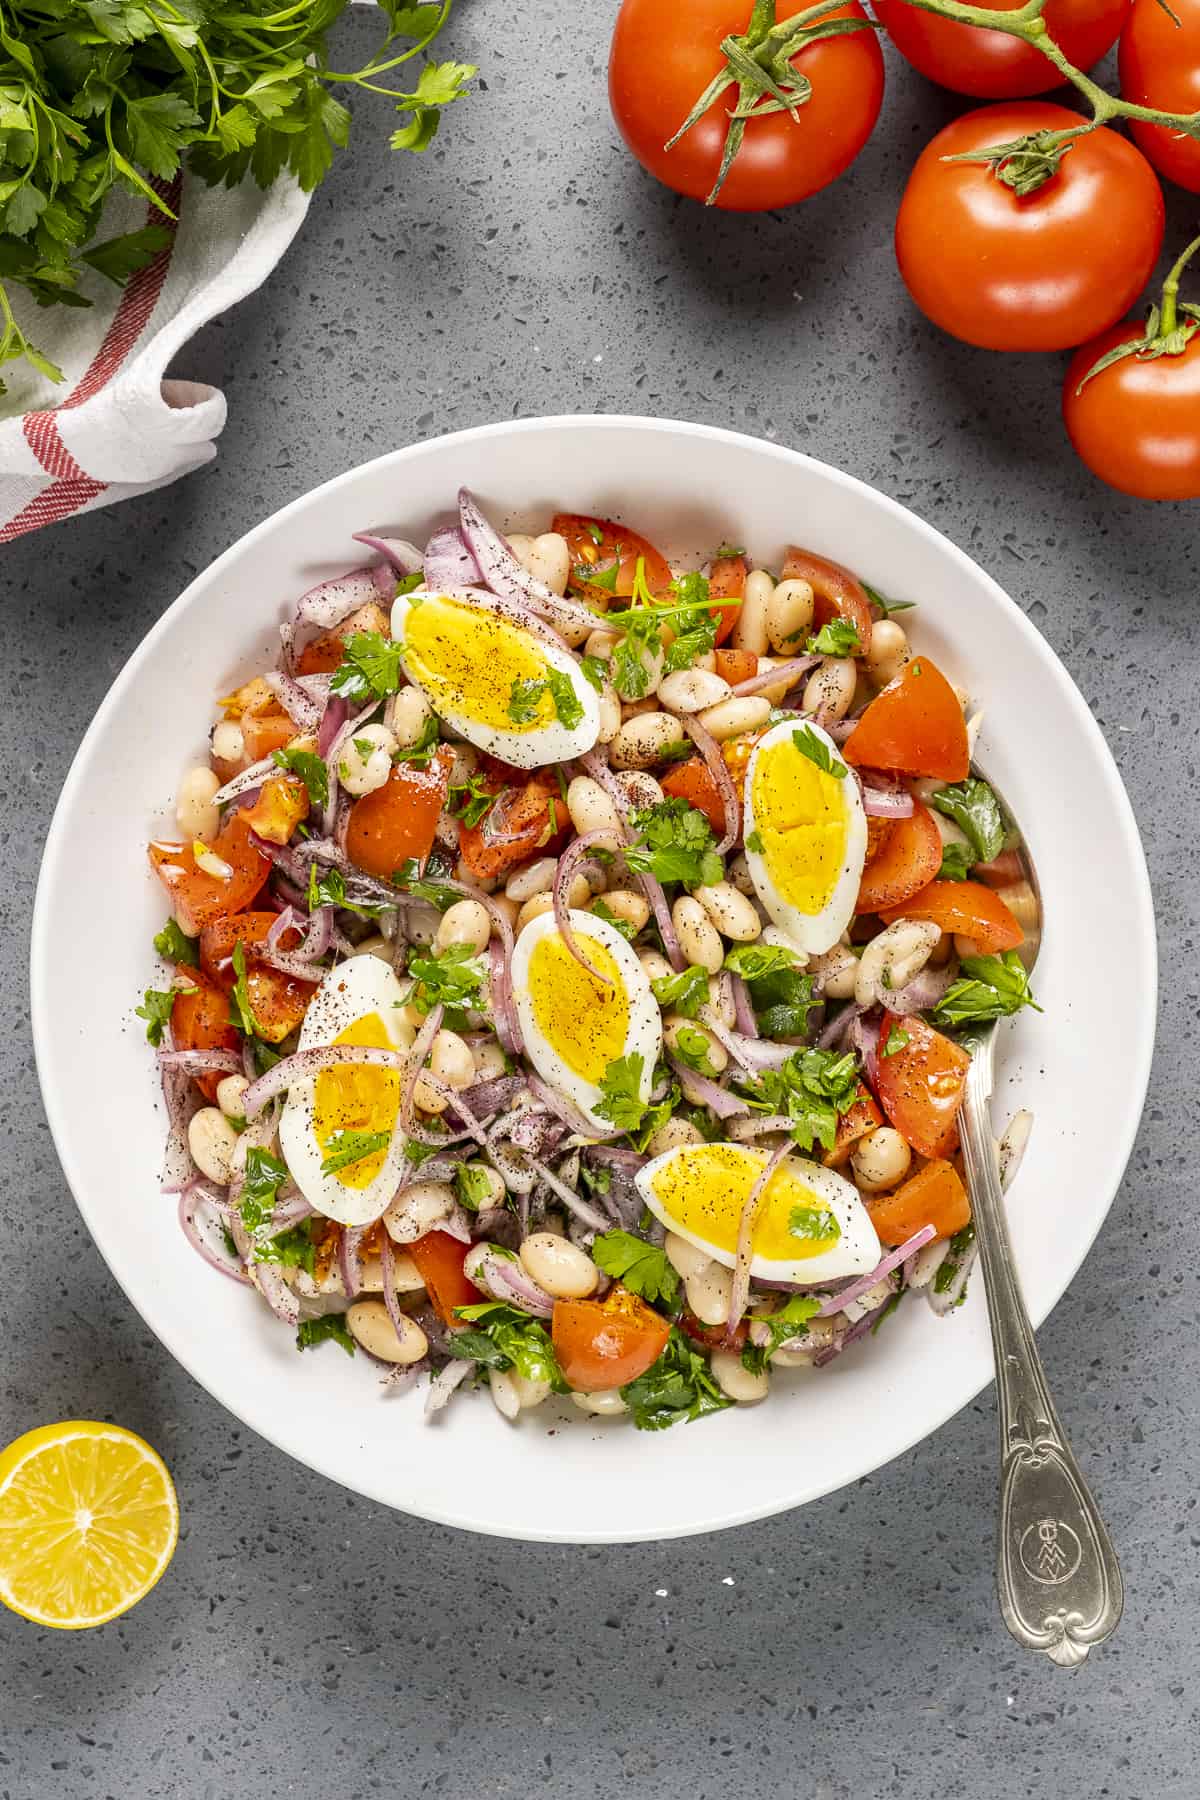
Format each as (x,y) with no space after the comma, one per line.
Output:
(1123,818)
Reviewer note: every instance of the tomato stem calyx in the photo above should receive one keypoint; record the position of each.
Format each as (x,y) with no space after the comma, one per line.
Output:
(1166,334)
(1025,164)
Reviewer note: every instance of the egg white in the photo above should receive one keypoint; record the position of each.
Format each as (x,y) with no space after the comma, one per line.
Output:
(856,1251)
(819,931)
(530,749)
(644,1029)
(353,990)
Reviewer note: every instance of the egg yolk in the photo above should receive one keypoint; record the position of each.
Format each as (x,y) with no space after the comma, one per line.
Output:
(800,815)
(467,661)
(357,1099)
(705,1190)
(584,1022)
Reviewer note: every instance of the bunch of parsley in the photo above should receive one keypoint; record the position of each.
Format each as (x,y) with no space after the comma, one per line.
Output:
(97,95)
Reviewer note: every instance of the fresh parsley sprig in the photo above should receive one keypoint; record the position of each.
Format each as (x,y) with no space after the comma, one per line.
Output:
(678,1387)
(526,702)
(990,987)
(502,1337)
(370,668)
(973,806)
(641,1267)
(813,1089)
(817,751)
(675,843)
(311,769)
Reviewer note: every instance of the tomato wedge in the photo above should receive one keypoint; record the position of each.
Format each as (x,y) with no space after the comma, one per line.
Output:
(863,1117)
(837,594)
(907,861)
(249,929)
(920,1087)
(399,819)
(966,907)
(603,1344)
(933,1196)
(278,1001)
(691,781)
(914,727)
(281,805)
(524,820)
(200,1021)
(439,1260)
(594,543)
(713,1337)
(735,665)
(264,732)
(198,897)
(727,582)
(324,653)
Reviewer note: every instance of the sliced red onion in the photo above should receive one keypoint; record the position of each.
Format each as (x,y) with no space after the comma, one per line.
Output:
(751,1053)
(414,1066)
(945,1302)
(756,1125)
(457,1224)
(860,1330)
(652,888)
(387,1272)
(886,802)
(303,1064)
(924,990)
(709,1093)
(504,575)
(1013,1145)
(327,604)
(350,1258)
(838,1302)
(181,1100)
(485,1098)
(504,1277)
(563,876)
(563,1109)
(289,1210)
(790,672)
(836,1030)
(253,777)
(617,1154)
(718,768)
(332,720)
(443,1385)
(190,1201)
(400,1377)
(747,1024)
(342,735)
(448,564)
(863,1036)
(573,1202)
(265,1276)
(403,557)
(304,712)
(739,1288)
(201,1062)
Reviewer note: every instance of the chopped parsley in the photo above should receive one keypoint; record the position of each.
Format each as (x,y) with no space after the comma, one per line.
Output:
(754,842)
(886,607)
(642,1268)
(502,1337)
(685,992)
(990,987)
(691,1048)
(813,1224)
(174,945)
(791,1321)
(895,1041)
(369,670)
(973,806)
(311,769)
(469,800)
(408,876)
(678,1387)
(525,701)
(951,1264)
(594,670)
(420,753)
(813,1089)
(330,1328)
(156,1008)
(329,889)
(620,1099)
(626,927)
(675,843)
(780,992)
(240,1009)
(957,861)
(452,978)
(472,1185)
(345,1148)
(838,637)
(817,750)
(265,1175)
(416,1153)
(293,1249)
(635,659)
(695,636)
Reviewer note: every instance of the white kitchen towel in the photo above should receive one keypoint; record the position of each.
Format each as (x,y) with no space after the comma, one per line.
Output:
(117,425)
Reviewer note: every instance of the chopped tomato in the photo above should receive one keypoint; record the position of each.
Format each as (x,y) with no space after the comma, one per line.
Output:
(277,1000)
(837,594)
(907,861)
(603,1344)
(324,653)
(439,1260)
(200,1021)
(736,753)
(735,665)
(863,1117)
(691,781)
(264,732)
(594,543)
(714,1337)
(965,907)
(878,833)
(399,819)
(933,1196)
(524,820)
(199,897)
(249,929)
(920,1087)
(727,582)
(282,803)
(914,726)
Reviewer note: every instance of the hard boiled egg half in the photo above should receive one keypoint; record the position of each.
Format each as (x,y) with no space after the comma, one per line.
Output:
(503,689)
(575,1025)
(811,1225)
(357,1003)
(806,833)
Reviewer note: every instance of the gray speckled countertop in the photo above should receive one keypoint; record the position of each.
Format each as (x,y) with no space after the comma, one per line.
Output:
(307,1643)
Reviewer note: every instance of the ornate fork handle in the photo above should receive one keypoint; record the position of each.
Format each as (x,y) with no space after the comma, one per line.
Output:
(1057,1572)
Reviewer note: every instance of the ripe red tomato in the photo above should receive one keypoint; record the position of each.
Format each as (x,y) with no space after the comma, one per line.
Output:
(907,861)
(1160,67)
(837,594)
(921,1086)
(965,907)
(991,65)
(199,897)
(1137,424)
(1039,272)
(200,1021)
(397,821)
(603,1344)
(665,54)
(914,726)
(594,543)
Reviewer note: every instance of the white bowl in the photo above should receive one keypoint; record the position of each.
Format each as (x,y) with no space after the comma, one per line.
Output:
(1082,1066)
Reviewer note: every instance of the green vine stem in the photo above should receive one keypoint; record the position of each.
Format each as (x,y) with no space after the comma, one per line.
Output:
(1166,333)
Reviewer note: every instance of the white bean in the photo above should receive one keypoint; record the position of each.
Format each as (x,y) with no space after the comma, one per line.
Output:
(736,1381)
(708,1292)
(508,907)
(610,714)
(601,643)
(789,617)
(229,1096)
(212,1142)
(880,1160)
(486,1176)
(533,909)
(450,1060)
(639,788)
(777,693)
(408,714)
(504,1393)
(547,558)
(698,939)
(591,809)
(644,741)
(530,879)
(531,1391)
(890,960)
(228,743)
(750,631)
(888,653)
(558,1266)
(365,760)
(714,1053)
(676,1134)
(375,945)
(830,689)
(490,1061)
(631,909)
(837,970)
(655,965)
(746,712)
(418,1209)
(194,808)
(732,913)
(467,922)
(370,1325)
(684,1257)
(606,1403)
(691,690)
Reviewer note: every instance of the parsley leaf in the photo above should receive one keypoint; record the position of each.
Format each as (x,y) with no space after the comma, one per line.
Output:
(594,670)
(265,1175)
(678,1387)
(780,992)
(293,1249)
(525,702)
(887,607)
(469,800)
(452,977)
(695,635)
(691,1049)
(345,1148)
(813,1089)
(626,927)
(507,1338)
(817,750)
(755,961)
(329,1328)
(620,1099)
(791,1321)
(310,768)
(685,993)
(329,889)
(675,843)
(973,806)
(472,1185)
(895,1042)
(633,664)
(240,1010)
(990,987)
(813,1224)
(408,876)
(369,669)
(156,1008)
(642,1268)
(420,754)
(951,1264)
(837,637)
(174,946)
(957,861)
(754,841)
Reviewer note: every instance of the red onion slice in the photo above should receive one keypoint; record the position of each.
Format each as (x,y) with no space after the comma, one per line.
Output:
(716,765)
(402,556)
(863,1036)
(885,802)
(350,1258)
(304,712)
(785,671)
(835,1031)
(332,720)
(563,1109)
(327,604)
(739,1289)
(838,1302)
(201,1062)
(751,1053)
(594,764)
(709,1093)
(448,564)
(563,876)
(923,991)
(747,1024)
(504,575)
(857,1331)
(570,1199)
(265,1276)
(744,1131)
(387,1270)
(443,1385)
(252,777)
(504,1278)
(303,1064)
(190,1201)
